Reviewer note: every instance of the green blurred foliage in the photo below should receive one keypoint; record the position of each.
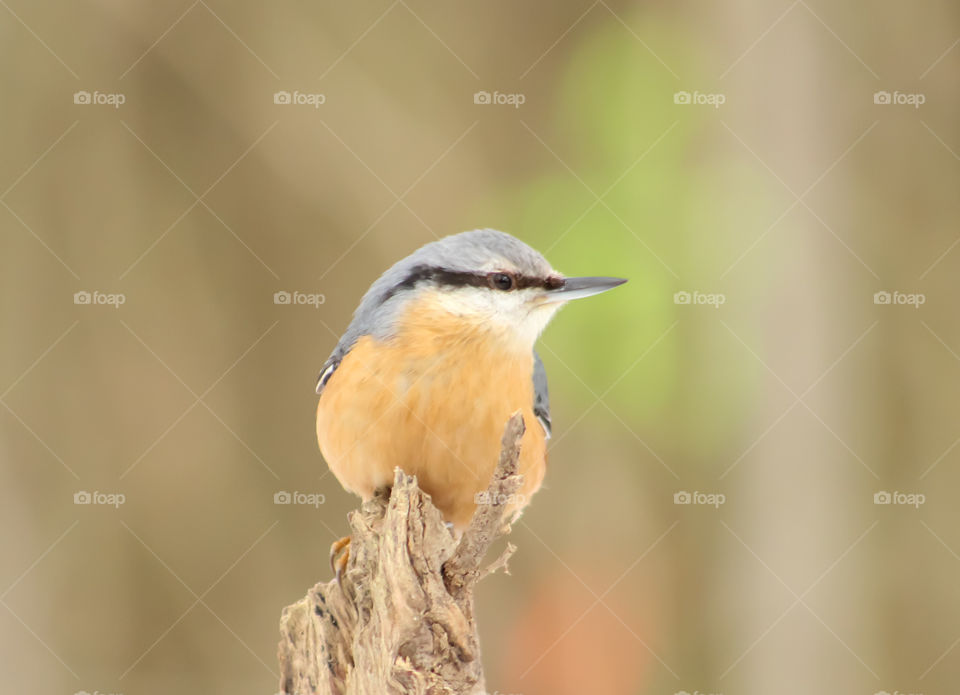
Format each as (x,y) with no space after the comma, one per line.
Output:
(619,135)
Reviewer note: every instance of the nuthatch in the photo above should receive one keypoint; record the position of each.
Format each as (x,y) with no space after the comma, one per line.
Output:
(438,356)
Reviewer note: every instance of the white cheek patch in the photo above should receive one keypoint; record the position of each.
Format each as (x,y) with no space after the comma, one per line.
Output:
(513,314)
(466,301)
(537,319)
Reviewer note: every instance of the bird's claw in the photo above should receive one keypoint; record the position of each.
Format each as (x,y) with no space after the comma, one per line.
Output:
(339,556)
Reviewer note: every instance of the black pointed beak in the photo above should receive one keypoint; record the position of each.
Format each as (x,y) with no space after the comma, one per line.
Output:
(577,288)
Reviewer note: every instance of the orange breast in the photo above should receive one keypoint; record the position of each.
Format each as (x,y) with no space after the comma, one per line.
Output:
(432,400)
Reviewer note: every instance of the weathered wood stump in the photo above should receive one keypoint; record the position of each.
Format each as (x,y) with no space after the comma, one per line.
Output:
(401,620)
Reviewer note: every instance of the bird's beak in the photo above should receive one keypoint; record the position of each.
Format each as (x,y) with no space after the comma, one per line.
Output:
(577,288)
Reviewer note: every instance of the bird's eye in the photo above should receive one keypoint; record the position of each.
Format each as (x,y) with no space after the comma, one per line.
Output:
(501,281)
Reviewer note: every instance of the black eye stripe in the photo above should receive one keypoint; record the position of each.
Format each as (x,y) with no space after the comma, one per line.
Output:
(460,278)
(549,283)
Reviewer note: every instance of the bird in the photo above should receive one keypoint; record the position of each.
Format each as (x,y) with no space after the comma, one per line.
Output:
(438,355)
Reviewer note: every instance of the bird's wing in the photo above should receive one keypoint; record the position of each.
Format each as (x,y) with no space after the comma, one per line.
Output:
(330,366)
(541,396)
(328,369)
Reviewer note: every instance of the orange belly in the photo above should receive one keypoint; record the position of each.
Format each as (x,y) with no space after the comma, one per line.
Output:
(434,402)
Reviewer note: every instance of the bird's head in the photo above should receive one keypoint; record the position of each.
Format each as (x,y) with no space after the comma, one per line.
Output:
(484,278)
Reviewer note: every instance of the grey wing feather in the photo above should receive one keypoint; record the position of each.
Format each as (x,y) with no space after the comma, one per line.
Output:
(330,366)
(327,371)
(541,395)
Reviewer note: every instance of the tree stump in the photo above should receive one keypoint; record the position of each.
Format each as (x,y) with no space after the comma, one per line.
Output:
(401,620)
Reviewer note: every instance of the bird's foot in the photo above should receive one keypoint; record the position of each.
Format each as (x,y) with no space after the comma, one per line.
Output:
(339,556)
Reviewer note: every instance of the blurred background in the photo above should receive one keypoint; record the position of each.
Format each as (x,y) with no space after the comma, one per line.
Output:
(754,471)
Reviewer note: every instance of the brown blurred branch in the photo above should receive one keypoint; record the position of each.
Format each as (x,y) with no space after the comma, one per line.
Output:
(402,621)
